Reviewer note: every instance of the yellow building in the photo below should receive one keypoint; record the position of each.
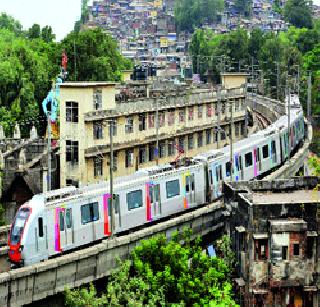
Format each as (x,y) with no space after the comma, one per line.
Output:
(187,125)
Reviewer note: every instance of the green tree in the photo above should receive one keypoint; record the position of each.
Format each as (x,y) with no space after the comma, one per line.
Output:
(298,13)
(9,23)
(244,7)
(34,31)
(47,34)
(96,55)
(164,273)
(191,14)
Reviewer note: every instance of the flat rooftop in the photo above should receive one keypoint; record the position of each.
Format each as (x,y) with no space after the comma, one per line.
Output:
(293,197)
(88,84)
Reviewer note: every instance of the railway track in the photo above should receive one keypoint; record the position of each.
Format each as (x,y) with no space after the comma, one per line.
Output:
(263,120)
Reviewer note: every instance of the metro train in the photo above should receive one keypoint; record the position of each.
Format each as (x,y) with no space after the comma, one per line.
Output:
(62,220)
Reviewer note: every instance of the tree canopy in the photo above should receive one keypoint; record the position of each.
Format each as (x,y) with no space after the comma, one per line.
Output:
(190,14)
(298,13)
(163,273)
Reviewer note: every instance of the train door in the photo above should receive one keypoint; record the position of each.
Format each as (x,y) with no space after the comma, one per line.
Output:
(281,148)
(241,167)
(66,228)
(155,202)
(218,180)
(189,188)
(117,212)
(255,159)
(41,243)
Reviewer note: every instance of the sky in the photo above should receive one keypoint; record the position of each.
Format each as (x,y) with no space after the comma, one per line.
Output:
(59,14)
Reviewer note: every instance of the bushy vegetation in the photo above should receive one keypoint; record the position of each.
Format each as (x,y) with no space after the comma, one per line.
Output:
(30,61)
(162,273)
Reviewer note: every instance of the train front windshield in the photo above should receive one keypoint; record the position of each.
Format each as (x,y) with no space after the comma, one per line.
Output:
(18,226)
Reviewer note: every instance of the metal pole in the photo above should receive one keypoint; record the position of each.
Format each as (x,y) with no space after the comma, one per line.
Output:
(49,153)
(113,220)
(289,130)
(157,133)
(231,138)
(309,96)
(219,115)
(278,81)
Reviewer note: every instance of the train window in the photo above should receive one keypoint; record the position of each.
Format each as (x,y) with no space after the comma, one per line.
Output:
(116,202)
(134,199)
(61,220)
(265,151)
(228,169)
(68,218)
(18,226)
(273,147)
(89,213)
(258,155)
(173,188)
(210,177)
(40,227)
(248,159)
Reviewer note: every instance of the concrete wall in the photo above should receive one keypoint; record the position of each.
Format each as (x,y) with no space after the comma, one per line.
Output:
(29,284)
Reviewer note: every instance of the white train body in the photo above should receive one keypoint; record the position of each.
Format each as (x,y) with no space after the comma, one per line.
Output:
(66,219)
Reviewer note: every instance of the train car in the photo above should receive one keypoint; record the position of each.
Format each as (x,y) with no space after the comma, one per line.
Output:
(66,219)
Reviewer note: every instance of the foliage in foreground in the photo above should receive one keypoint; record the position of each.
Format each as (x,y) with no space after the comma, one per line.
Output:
(314,164)
(161,273)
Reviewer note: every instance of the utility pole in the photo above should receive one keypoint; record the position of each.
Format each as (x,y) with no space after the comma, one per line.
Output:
(231,138)
(157,132)
(113,219)
(75,60)
(219,114)
(49,152)
(289,108)
(309,96)
(278,81)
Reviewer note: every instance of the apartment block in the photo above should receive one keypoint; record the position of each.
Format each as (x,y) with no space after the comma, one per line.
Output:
(187,125)
(275,226)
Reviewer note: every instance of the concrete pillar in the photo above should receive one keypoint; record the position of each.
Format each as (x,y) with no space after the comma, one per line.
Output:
(22,158)
(17,133)
(2,134)
(33,133)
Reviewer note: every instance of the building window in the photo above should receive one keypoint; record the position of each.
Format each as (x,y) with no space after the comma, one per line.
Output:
(209,110)
(129,125)
(142,155)
(142,122)
(208,136)
(71,182)
(171,147)
(190,141)
(162,150)
(310,244)
(200,139)
(151,120)
(152,150)
(284,252)
(182,114)
(173,188)
(115,161)
(114,127)
(72,151)
(265,151)
(97,167)
(296,249)
(134,199)
(97,130)
(162,119)
(171,115)
(190,114)
(89,213)
(181,143)
(261,249)
(248,159)
(72,111)
(200,111)
(129,158)
(223,108)
(97,99)
(222,135)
